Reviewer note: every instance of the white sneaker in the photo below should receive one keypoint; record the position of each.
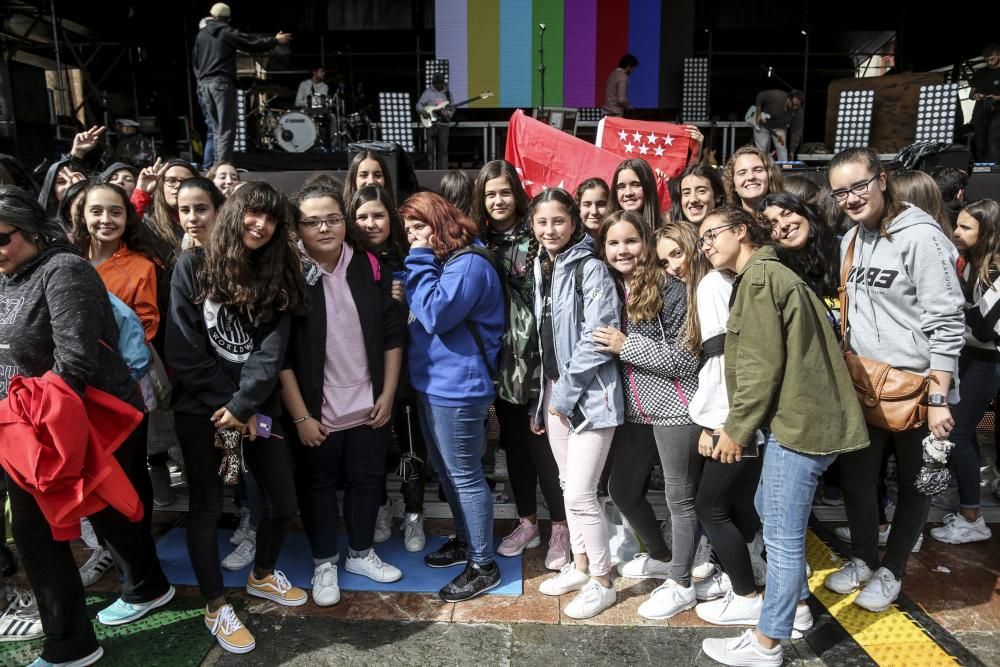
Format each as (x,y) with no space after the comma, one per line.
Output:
(414,538)
(241,530)
(956,529)
(500,465)
(744,650)
(849,578)
(879,594)
(243,554)
(995,486)
(383,523)
(568,579)
(844,533)
(757,562)
(668,599)
(803,621)
(731,609)
(325,591)
(371,566)
(591,601)
(100,561)
(703,566)
(714,587)
(644,567)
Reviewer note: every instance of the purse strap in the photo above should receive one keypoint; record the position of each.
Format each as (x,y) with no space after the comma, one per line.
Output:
(847,265)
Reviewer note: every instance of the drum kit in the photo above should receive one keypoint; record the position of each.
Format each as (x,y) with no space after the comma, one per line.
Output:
(323,125)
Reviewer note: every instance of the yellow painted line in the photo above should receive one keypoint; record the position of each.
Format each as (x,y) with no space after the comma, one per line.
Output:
(892,638)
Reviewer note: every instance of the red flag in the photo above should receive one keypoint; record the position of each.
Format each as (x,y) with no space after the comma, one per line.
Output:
(664,146)
(546,157)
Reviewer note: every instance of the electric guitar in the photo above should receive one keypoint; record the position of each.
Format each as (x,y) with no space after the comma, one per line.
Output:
(442,111)
(751,119)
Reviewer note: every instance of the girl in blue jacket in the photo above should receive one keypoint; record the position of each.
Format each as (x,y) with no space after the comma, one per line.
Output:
(581,396)
(456,320)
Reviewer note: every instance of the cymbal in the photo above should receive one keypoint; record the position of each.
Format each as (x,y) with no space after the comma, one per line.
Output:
(271,89)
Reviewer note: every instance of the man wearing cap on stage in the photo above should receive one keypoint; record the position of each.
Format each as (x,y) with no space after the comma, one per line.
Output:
(314,85)
(778,118)
(437,134)
(214,63)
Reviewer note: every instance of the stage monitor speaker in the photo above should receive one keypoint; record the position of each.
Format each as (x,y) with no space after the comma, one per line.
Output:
(983,186)
(404,178)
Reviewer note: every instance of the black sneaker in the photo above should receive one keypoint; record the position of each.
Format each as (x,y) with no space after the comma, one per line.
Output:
(451,553)
(474,581)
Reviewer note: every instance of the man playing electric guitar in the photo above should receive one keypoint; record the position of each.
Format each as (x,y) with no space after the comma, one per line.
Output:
(437,133)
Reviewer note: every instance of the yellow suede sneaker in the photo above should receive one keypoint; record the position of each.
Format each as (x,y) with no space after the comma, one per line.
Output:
(277,588)
(229,631)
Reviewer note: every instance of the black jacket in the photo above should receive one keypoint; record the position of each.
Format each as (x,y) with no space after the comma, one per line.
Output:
(381,326)
(214,53)
(56,316)
(219,357)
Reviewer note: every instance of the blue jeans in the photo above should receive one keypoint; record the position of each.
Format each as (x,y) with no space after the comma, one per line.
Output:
(979,380)
(456,437)
(784,501)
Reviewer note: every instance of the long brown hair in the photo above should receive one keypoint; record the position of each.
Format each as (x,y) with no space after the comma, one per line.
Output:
(869,158)
(775,182)
(350,183)
(566,200)
(644,301)
(685,236)
(918,188)
(451,229)
(491,170)
(984,257)
(650,200)
(259,282)
(163,220)
(135,236)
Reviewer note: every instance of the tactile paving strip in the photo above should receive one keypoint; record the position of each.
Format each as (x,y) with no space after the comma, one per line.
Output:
(891,637)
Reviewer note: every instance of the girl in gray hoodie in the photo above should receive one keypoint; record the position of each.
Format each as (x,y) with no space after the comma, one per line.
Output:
(905,309)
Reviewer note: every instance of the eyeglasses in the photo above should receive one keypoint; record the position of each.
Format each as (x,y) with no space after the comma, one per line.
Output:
(7,237)
(859,189)
(331,222)
(707,239)
(173,181)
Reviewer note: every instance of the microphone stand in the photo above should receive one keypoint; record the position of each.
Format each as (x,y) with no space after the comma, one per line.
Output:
(541,68)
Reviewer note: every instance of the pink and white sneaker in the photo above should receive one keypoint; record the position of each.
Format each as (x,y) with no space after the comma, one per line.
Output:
(525,536)
(559,550)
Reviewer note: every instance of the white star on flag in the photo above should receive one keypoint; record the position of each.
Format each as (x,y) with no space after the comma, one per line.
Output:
(668,140)
(637,136)
(629,148)
(643,150)
(659,151)
(652,138)
(623,135)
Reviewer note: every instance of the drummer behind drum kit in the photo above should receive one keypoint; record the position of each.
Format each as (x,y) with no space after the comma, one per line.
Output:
(323,125)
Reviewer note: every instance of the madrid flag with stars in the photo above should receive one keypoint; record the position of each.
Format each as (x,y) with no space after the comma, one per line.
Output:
(663,145)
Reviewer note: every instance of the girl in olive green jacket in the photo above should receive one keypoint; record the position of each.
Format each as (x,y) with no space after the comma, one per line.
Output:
(780,353)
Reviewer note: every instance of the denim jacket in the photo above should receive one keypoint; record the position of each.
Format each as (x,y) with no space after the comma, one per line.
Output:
(588,380)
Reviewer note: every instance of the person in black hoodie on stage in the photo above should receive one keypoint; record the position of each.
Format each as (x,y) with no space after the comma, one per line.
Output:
(214,62)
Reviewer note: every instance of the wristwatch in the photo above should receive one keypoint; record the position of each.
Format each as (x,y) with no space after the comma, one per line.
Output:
(937,400)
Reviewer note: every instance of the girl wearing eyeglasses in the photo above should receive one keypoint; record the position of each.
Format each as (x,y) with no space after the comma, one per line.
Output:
(338,387)
(750,174)
(581,398)
(905,309)
(163,221)
(227,331)
(659,374)
(779,347)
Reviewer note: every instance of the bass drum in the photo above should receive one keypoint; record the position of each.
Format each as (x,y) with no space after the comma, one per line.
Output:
(296,132)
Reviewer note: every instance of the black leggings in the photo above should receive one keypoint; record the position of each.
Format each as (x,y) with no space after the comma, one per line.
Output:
(725,509)
(52,572)
(270,461)
(861,498)
(530,462)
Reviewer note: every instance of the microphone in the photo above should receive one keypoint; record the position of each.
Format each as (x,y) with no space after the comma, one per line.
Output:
(541,26)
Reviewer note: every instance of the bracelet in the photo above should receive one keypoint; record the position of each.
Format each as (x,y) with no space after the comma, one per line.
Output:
(302,419)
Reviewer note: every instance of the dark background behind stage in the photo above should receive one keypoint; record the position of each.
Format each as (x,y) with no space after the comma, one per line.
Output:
(380,45)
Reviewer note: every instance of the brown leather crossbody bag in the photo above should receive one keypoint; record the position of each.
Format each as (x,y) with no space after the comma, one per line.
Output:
(892,399)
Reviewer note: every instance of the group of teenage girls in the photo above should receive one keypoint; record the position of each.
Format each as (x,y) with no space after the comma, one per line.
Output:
(691,338)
